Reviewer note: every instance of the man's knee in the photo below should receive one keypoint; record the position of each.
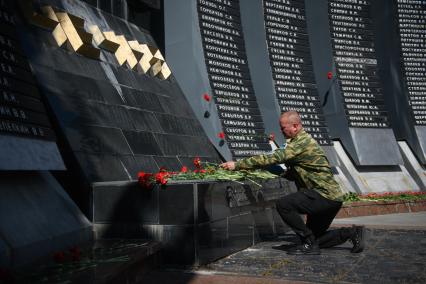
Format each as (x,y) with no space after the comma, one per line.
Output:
(285,205)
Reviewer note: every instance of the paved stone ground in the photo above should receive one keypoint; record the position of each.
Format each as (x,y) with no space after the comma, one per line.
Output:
(391,256)
(394,254)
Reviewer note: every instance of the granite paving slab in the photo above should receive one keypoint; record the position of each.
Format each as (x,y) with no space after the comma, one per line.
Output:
(391,256)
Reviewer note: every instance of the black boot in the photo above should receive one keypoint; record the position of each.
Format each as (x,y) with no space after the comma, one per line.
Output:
(309,246)
(358,239)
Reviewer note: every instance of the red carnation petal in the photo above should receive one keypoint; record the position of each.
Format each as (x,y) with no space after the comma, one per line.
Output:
(206,97)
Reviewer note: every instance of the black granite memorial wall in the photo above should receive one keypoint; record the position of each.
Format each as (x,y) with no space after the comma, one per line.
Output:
(26,136)
(401,43)
(411,16)
(291,65)
(342,37)
(226,61)
(117,108)
(352,38)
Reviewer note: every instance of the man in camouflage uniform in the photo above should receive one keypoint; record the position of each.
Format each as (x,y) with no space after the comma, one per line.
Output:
(319,195)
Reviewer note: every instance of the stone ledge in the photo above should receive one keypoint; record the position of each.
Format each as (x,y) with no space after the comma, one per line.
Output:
(368,208)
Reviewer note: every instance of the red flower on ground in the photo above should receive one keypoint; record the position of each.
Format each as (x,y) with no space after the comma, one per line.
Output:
(75,253)
(221,135)
(197,162)
(203,171)
(59,256)
(206,97)
(6,276)
(329,75)
(184,169)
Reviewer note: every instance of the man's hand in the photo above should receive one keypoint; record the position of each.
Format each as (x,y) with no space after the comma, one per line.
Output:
(228,165)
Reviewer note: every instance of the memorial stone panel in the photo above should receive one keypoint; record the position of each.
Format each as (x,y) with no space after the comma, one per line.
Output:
(22,112)
(27,140)
(352,39)
(411,24)
(230,82)
(120,112)
(291,64)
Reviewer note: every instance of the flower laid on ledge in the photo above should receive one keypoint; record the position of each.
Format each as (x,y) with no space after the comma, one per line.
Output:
(202,171)
(206,97)
(386,196)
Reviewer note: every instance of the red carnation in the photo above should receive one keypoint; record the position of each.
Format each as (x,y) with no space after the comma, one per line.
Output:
(206,97)
(184,169)
(75,253)
(161,177)
(59,256)
(221,135)
(6,276)
(272,136)
(329,75)
(141,176)
(197,162)
(144,180)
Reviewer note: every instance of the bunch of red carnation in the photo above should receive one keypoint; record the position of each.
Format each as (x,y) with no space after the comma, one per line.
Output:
(73,254)
(147,180)
(198,166)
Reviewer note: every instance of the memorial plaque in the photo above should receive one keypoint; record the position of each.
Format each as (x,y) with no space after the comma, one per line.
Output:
(226,62)
(123,107)
(411,24)
(291,62)
(21,111)
(27,140)
(356,64)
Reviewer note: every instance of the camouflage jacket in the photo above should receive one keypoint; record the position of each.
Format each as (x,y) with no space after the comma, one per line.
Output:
(306,159)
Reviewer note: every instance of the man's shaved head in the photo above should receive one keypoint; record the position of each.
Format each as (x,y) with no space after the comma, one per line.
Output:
(292,117)
(290,124)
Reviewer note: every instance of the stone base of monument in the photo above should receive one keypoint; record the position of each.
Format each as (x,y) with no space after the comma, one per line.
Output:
(196,222)
(376,178)
(342,177)
(37,218)
(416,170)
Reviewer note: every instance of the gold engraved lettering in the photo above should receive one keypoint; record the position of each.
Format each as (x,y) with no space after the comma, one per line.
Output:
(58,32)
(102,41)
(143,63)
(124,53)
(35,18)
(156,61)
(79,40)
(165,72)
(69,29)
